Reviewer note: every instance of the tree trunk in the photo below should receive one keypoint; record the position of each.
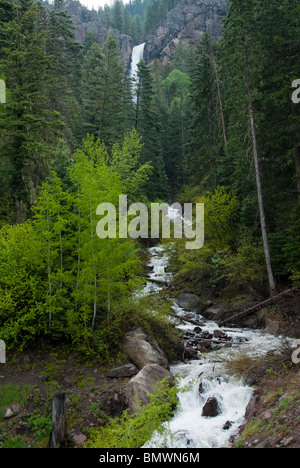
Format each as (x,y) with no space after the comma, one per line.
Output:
(57,438)
(220,99)
(297,151)
(260,197)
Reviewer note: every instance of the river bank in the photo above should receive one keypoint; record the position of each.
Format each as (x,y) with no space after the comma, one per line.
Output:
(256,396)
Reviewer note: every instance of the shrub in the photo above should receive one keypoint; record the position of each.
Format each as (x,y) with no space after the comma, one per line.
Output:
(134,430)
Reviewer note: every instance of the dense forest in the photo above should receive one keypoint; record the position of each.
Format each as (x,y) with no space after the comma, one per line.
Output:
(217,125)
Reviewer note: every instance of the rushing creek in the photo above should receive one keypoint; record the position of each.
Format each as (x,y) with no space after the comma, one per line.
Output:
(188,428)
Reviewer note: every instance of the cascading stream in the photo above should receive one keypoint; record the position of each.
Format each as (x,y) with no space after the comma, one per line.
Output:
(188,428)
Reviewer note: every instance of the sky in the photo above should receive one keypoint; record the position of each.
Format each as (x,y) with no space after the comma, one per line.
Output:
(97,3)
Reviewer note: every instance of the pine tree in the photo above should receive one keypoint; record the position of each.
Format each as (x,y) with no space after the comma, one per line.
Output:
(28,122)
(105,104)
(147,125)
(241,49)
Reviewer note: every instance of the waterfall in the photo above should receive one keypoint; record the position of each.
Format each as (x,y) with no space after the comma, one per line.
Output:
(136,56)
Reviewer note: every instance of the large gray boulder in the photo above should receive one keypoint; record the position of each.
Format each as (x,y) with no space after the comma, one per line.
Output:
(188,301)
(138,389)
(142,349)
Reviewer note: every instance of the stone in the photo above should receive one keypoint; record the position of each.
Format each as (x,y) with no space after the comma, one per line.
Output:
(227,425)
(188,301)
(287,441)
(79,440)
(219,334)
(266,415)
(128,370)
(186,22)
(8,413)
(272,327)
(139,387)
(15,408)
(213,313)
(211,409)
(205,344)
(142,349)
(251,410)
(190,353)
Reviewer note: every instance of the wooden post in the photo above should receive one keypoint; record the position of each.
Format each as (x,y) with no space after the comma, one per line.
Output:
(57,438)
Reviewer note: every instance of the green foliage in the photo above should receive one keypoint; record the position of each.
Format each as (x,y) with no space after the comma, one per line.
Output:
(41,425)
(22,285)
(134,430)
(12,394)
(58,278)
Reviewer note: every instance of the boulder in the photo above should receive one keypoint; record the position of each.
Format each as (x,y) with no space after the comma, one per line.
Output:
(188,301)
(79,440)
(138,389)
(219,334)
(142,349)
(128,370)
(213,313)
(211,409)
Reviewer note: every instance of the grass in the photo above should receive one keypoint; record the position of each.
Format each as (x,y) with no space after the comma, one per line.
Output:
(10,394)
(249,367)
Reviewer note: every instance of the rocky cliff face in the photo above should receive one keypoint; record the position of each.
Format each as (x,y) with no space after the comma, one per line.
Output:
(88,22)
(188,20)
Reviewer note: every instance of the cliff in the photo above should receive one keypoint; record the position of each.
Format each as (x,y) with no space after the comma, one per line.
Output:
(88,22)
(186,22)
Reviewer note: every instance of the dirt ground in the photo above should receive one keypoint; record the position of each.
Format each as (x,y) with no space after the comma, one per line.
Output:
(91,397)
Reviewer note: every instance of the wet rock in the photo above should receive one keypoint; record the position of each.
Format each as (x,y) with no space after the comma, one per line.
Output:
(128,370)
(211,409)
(219,334)
(138,389)
(213,313)
(188,301)
(205,344)
(190,353)
(142,349)
(227,425)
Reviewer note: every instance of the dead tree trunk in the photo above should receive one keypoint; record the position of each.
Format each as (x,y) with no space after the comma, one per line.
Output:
(58,434)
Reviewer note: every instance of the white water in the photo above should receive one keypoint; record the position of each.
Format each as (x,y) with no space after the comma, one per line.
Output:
(188,428)
(136,57)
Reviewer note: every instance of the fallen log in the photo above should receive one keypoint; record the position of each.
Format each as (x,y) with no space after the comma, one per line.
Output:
(224,342)
(259,306)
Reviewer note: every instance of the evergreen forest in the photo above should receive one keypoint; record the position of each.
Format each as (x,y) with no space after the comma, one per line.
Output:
(219,125)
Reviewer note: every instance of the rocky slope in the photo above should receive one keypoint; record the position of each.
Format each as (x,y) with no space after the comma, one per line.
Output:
(186,22)
(88,22)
